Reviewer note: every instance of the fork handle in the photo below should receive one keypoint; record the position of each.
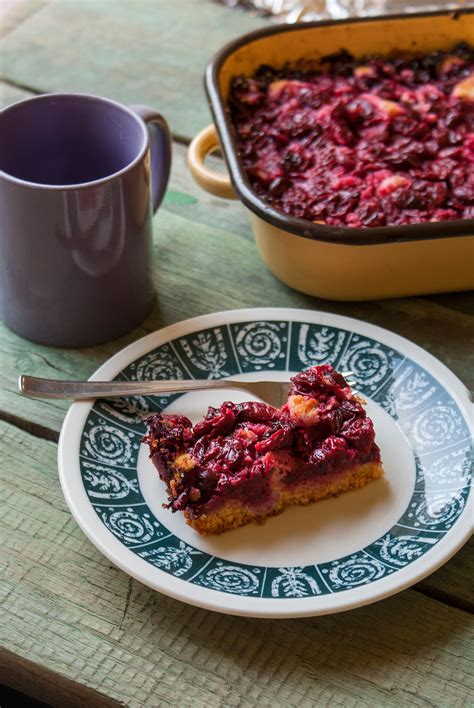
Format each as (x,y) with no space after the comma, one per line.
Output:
(80,390)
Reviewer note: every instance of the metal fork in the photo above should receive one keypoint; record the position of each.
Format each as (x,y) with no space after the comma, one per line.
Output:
(273,392)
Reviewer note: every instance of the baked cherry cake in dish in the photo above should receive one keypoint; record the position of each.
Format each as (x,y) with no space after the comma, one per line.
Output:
(247,461)
(361,143)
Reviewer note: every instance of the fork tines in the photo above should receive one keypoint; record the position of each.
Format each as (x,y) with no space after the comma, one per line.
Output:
(351,382)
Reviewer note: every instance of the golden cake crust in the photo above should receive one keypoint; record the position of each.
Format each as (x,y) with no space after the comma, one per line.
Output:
(247,461)
(231,514)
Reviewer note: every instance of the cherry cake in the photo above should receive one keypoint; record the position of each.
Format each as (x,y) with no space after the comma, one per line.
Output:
(247,461)
(361,143)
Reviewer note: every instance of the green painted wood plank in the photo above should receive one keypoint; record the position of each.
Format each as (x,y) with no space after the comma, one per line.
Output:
(45,685)
(11,94)
(14,12)
(455,580)
(51,584)
(65,609)
(146,51)
(186,199)
(225,272)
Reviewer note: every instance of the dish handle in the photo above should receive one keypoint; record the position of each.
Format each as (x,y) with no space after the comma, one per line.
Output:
(202,145)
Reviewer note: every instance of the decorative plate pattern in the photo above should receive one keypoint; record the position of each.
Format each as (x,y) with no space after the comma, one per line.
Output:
(422,407)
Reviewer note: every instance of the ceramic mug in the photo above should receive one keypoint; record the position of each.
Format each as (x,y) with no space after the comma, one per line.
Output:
(80,178)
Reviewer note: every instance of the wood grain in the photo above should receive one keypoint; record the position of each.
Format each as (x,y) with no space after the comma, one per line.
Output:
(74,630)
(66,609)
(11,94)
(45,685)
(14,12)
(134,52)
(454,582)
(225,272)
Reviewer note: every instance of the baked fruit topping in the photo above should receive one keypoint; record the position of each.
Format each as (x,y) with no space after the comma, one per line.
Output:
(361,143)
(244,462)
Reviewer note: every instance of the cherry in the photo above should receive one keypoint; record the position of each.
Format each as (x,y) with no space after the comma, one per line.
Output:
(303,135)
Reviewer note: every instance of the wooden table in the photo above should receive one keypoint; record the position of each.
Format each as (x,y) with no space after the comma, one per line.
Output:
(76,630)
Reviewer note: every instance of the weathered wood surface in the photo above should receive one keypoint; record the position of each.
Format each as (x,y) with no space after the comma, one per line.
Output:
(14,12)
(69,613)
(77,631)
(11,94)
(145,51)
(225,272)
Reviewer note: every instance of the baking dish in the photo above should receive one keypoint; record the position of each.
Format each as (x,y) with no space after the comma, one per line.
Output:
(338,263)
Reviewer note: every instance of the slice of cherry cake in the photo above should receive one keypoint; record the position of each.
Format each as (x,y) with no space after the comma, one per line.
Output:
(246,461)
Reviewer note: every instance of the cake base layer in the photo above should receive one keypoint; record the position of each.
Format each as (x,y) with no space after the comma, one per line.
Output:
(232,514)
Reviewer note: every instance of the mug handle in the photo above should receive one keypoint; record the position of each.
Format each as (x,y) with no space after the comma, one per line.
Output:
(160,145)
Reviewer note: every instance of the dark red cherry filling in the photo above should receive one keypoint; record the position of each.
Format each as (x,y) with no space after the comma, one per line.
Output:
(236,446)
(363,143)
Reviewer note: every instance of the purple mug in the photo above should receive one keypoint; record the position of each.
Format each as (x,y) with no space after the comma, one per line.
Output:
(76,206)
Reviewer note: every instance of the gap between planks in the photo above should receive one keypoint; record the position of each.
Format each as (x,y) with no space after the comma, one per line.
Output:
(445,599)
(50,435)
(35,429)
(176,137)
(42,684)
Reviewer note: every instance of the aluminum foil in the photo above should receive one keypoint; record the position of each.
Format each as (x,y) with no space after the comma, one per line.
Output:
(307,10)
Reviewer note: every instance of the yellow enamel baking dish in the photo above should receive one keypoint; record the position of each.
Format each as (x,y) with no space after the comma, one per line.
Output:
(338,263)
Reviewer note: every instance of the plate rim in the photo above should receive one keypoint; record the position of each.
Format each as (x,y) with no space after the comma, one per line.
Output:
(227,603)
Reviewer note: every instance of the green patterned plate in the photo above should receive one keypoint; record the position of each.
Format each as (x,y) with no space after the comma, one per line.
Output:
(331,556)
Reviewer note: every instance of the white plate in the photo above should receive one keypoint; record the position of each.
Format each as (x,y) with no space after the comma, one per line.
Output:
(332,556)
